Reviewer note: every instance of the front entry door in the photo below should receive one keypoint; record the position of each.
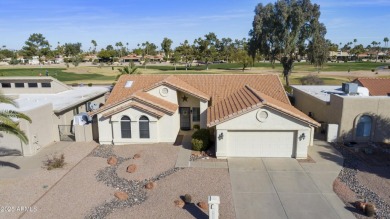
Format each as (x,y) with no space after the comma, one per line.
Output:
(185,123)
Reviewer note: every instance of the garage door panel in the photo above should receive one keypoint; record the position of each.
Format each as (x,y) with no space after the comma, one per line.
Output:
(260,144)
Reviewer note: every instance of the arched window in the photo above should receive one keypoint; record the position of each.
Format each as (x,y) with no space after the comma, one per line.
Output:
(363,126)
(144,127)
(125,127)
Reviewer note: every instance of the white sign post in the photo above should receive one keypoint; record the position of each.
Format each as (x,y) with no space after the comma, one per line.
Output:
(213,207)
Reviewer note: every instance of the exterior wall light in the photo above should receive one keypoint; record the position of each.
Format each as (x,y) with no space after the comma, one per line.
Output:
(220,136)
(302,137)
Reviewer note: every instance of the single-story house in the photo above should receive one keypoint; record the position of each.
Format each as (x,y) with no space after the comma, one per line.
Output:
(349,112)
(250,115)
(52,107)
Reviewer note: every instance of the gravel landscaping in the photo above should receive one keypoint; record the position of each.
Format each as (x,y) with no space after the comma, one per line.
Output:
(87,187)
(198,182)
(358,181)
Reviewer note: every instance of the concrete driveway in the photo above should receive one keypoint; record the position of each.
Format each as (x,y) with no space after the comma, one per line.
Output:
(285,188)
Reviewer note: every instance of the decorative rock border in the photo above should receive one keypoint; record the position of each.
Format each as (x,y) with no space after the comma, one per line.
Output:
(108,176)
(348,176)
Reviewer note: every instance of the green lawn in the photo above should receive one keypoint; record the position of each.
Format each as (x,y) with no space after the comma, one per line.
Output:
(298,66)
(352,66)
(56,73)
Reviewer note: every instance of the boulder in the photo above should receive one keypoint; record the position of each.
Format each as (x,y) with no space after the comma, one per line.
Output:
(203,205)
(136,156)
(150,185)
(179,203)
(360,205)
(131,168)
(112,161)
(121,195)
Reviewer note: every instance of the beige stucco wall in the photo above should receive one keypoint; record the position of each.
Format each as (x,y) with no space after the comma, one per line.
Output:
(276,121)
(349,109)
(39,132)
(345,111)
(307,103)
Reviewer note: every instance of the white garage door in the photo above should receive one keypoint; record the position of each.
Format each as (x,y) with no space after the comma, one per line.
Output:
(261,144)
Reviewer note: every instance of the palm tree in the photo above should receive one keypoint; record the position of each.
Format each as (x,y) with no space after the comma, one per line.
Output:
(7,123)
(354,42)
(93,42)
(386,40)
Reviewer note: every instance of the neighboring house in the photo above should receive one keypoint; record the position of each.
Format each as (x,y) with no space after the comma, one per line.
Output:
(58,59)
(34,60)
(348,112)
(376,86)
(52,107)
(250,115)
(131,58)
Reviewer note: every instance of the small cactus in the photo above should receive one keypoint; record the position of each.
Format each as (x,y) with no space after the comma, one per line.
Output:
(370,209)
(187,198)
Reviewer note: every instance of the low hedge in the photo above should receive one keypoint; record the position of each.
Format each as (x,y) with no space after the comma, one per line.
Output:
(200,140)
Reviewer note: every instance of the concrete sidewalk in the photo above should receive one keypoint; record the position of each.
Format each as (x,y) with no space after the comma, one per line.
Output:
(183,158)
(285,188)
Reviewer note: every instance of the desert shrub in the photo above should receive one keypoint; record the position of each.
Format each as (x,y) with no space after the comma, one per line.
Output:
(197,145)
(187,198)
(200,140)
(54,162)
(311,80)
(196,126)
(89,84)
(288,89)
(373,70)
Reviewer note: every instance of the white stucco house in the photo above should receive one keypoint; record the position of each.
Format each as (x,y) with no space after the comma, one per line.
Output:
(250,115)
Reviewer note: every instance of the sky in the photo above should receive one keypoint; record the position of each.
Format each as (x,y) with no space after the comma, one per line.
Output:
(138,21)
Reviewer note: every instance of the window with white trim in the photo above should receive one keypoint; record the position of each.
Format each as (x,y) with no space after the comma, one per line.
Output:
(144,127)
(125,127)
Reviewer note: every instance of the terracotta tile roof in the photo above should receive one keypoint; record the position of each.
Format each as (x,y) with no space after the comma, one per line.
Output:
(180,85)
(218,87)
(376,86)
(140,106)
(247,99)
(145,99)
(155,102)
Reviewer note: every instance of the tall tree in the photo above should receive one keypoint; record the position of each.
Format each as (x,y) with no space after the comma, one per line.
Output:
(186,52)
(175,58)
(94,44)
(119,46)
(375,47)
(7,120)
(206,48)
(36,45)
(318,50)
(358,49)
(166,46)
(386,41)
(282,27)
(72,49)
(354,42)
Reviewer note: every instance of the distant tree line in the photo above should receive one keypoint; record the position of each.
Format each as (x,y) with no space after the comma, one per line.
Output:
(285,31)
